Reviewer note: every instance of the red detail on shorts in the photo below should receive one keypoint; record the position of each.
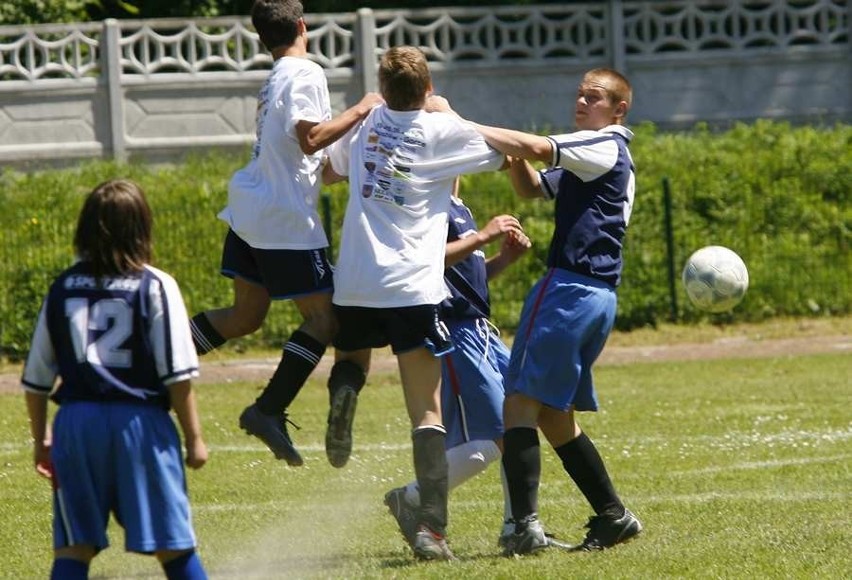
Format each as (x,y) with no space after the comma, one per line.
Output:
(538,300)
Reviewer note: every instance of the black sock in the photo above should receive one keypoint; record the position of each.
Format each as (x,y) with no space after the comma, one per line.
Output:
(522,464)
(583,463)
(430,467)
(346,373)
(205,337)
(301,356)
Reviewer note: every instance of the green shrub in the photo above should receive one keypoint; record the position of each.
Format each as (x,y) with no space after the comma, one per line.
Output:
(776,194)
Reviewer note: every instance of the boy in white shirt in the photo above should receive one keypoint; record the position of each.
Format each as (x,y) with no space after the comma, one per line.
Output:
(401,163)
(275,248)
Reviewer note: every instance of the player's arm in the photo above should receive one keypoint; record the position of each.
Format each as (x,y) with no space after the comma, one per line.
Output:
(330,176)
(518,143)
(37,411)
(501,225)
(314,136)
(515,245)
(525,179)
(183,402)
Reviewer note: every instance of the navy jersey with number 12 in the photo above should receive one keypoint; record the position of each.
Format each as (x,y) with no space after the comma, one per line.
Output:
(124,339)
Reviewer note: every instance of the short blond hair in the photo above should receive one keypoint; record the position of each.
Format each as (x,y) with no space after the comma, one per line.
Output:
(404,78)
(617,86)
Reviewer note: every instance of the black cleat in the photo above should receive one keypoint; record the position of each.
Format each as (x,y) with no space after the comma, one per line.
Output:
(404,513)
(338,434)
(272,430)
(429,545)
(606,530)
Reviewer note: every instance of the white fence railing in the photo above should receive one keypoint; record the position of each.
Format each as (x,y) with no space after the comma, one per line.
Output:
(158,86)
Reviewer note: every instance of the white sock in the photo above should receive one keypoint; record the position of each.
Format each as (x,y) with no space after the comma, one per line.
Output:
(507,503)
(464,461)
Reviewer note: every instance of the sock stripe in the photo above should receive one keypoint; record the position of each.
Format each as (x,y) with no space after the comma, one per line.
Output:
(301,351)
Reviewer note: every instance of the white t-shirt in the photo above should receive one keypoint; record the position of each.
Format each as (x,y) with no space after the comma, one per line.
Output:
(272,201)
(401,166)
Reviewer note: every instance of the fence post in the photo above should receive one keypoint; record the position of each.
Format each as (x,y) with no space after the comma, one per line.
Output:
(616,35)
(365,46)
(669,230)
(111,77)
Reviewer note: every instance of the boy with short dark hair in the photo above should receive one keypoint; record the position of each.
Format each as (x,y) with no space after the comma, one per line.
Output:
(401,163)
(276,248)
(115,330)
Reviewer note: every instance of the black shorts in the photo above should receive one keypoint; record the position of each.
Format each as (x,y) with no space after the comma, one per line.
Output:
(285,274)
(404,329)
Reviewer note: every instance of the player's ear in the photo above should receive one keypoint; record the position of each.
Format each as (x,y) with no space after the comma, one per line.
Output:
(620,110)
(430,89)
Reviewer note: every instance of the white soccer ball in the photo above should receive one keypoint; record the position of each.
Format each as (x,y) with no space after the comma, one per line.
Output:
(715,278)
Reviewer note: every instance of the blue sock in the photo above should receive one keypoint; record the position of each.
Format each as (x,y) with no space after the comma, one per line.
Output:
(68,569)
(185,567)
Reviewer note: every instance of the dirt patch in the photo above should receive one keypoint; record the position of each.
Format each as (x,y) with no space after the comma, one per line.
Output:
(260,369)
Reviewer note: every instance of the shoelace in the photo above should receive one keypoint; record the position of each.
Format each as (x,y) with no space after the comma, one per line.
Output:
(288,420)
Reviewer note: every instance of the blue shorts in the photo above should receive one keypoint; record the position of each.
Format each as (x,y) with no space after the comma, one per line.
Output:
(286,274)
(124,459)
(403,328)
(564,325)
(472,383)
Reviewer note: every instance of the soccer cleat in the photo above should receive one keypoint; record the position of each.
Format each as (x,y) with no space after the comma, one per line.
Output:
(528,538)
(272,430)
(429,545)
(404,513)
(606,530)
(338,434)
(506,532)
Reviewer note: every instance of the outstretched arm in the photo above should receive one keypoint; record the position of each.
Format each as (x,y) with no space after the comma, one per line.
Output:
(315,136)
(518,143)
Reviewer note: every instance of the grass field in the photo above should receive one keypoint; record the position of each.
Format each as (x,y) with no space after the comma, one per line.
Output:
(737,468)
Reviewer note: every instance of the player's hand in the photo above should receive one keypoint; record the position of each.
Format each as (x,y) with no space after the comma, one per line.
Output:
(368,102)
(437,104)
(500,225)
(41,460)
(196,453)
(515,244)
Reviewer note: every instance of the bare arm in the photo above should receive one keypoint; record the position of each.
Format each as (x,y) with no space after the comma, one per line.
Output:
(315,136)
(518,143)
(525,179)
(501,225)
(329,175)
(515,245)
(183,402)
(37,411)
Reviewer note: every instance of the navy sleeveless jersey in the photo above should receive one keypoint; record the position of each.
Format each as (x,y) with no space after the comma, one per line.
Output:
(467,280)
(125,339)
(593,186)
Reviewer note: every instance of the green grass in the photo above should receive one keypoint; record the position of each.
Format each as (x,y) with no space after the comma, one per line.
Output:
(737,468)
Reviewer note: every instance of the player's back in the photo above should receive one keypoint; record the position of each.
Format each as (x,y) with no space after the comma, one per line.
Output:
(110,339)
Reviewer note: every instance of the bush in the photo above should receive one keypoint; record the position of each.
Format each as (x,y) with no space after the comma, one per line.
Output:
(778,195)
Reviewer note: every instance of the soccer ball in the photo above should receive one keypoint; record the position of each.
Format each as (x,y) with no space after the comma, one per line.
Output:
(715,278)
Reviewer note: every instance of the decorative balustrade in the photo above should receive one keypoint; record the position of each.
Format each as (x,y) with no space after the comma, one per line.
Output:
(447,35)
(160,87)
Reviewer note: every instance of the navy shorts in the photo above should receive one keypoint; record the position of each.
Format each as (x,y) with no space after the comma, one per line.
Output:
(285,274)
(404,329)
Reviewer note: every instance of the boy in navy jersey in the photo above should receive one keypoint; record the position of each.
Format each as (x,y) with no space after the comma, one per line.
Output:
(472,375)
(115,331)
(569,313)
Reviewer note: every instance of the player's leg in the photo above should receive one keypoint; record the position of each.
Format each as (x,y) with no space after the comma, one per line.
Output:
(347,378)
(151,501)
(211,329)
(306,278)
(72,562)
(420,374)
(81,480)
(471,409)
(181,564)
(592,322)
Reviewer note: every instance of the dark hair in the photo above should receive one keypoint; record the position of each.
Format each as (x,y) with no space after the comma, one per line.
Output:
(404,78)
(276,21)
(114,229)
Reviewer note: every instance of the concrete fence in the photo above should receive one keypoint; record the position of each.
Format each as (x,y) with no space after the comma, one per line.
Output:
(156,89)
